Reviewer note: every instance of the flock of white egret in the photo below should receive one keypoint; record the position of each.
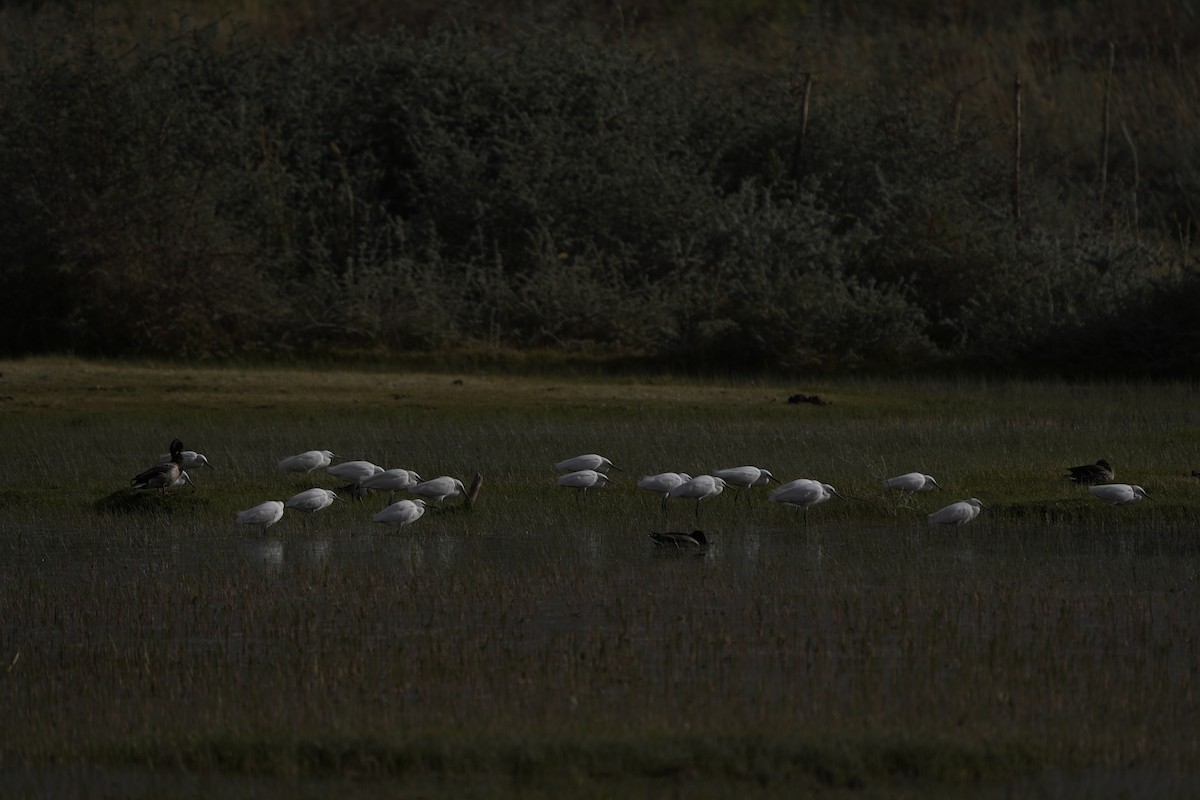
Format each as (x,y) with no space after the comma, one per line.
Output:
(583,473)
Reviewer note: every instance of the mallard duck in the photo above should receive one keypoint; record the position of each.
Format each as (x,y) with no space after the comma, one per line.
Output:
(162,476)
(1100,472)
(692,541)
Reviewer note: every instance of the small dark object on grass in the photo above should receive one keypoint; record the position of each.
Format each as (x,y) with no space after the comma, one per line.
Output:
(693,540)
(813,399)
(1196,473)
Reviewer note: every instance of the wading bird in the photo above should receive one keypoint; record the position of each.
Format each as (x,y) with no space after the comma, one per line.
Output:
(684,541)
(307,461)
(803,493)
(162,476)
(404,512)
(191,460)
(312,500)
(583,480)
(391,481)
(183,479)
(265,514)
(744,478)
(1100,472)
(959,513)
(591,461)
(912,482)
(1119,494)
(663,483)
(698,488)
(438,489)
(354,471)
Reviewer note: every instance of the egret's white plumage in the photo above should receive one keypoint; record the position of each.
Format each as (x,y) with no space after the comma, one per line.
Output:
(803,493)
(699,488)
(1119,494)
(744,478)
(307,461)
(404,512)
(162,476)
(190,460)
(959,513)
(265,514)
(912,482)
(391,481)
(438,489)
(312,501)
(354,471)
(583,480)
(663,483)
(183,478)
(592,461)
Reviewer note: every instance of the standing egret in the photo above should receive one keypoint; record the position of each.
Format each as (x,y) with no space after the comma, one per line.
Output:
(1100,472)
(354,471)
(959,513)
(162,476)
(307,461)
(583,480)
(438,489)
(912,482)
(312,500)
(265,514)
(663,483)
(689,541)
(191,460)
(391,481)
(744,478)
(803,493)
(596,463)
(1119,494)
(183,479)
(699,488)
(404,512)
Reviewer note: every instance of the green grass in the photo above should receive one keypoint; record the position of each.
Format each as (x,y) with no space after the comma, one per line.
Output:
(536,645)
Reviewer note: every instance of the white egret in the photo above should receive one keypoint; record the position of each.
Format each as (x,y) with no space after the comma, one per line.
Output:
(684,541)
(959,513)
(583,480)
(191,460)
(265,514)
(438,489)
(912,482)
(592,461)
(307,461)
(803,493)
(744,478)
(183,479)
(391,481)
(404,512)
(1100,472)
(1119,494)
(354,471)
(699,488)
(162,476)
(663,483)
(312,501)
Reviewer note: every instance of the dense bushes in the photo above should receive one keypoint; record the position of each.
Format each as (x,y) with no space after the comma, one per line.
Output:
(211,195)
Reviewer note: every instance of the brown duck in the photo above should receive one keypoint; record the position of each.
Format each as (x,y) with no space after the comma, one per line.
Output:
(162,476)
(1100,472)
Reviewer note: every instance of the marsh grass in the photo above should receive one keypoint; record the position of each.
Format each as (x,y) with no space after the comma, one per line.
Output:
(538,644)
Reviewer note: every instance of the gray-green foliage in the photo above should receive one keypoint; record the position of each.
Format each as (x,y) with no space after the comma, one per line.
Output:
(205,196)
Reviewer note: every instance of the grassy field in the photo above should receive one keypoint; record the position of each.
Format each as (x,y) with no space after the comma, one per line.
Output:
(536,645)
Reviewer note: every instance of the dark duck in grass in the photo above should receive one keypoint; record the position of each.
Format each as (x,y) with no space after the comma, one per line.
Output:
(162,476)
(693,541)
(1100,472)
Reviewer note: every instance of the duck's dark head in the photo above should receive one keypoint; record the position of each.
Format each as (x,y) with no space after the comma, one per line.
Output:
(176,449)
(699,537)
